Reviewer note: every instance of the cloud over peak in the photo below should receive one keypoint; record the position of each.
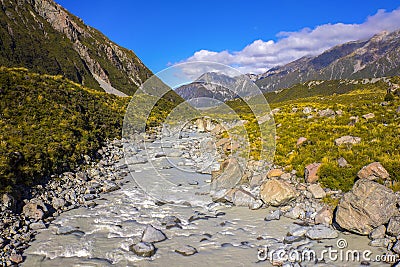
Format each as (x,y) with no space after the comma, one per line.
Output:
(259,56)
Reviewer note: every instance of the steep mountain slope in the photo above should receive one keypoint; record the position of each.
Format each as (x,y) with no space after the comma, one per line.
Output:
(44,37)
(376,57)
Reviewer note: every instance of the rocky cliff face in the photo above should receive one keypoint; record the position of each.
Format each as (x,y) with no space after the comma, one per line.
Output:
(376,57)
(80,52)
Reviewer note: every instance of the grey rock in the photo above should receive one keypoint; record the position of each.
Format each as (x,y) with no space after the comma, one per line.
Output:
(8,201)
(37,226)
(33,211)
(275,215)
(143,249)
(227,178)
(378,232)
(256,180)
(327,113)
(152,235)
(88,197)
(347,140)
(298,231)
(186,250)
(58,203)
(324,216)
(367,206)
(110,186)
(87,158)
(316,191)
(295,213)
(393,227)
(242,198)
(396,247)
(307,110)
(321,232)
(342,162)
(170,222)
(368,116)
(380,242)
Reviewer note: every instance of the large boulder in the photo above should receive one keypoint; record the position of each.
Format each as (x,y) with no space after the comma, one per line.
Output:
(152,235)
(367,206)
(311,172)
(226,178)
(277,192)
(373,172)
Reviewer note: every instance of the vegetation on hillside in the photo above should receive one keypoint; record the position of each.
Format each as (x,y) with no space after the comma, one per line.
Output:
(48,123)
(379,135)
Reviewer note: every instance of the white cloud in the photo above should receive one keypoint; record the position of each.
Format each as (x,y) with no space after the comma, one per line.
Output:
(260,55)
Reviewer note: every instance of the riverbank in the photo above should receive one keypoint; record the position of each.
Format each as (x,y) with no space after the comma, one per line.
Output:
(21,221)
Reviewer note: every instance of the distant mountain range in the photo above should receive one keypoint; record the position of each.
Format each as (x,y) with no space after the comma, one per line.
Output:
(217,86)
(44,37)
(376,57)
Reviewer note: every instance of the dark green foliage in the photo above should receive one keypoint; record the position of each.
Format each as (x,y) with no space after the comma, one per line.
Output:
(31,42)
(389,97)
(48,123)
(320,88)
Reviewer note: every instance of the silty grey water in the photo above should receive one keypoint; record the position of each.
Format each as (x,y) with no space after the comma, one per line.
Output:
(222,235)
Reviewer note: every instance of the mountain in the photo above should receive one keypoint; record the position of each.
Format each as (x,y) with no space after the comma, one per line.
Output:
(218,86)
(376,57)
(45,38)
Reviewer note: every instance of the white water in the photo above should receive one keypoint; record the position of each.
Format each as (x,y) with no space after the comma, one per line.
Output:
(104,233)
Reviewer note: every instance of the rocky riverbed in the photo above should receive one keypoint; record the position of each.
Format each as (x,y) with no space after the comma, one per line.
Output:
(167,199)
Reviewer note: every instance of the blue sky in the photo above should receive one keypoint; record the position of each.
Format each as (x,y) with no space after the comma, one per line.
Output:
(251,35)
